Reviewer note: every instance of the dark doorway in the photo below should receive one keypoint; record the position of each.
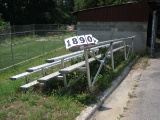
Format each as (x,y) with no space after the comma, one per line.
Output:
(157,42)
(153,31)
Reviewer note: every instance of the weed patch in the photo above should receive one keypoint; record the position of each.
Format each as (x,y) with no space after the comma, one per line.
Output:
(132,95)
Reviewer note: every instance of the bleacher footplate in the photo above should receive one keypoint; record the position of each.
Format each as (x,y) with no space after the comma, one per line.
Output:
(76,66)
(26,86)
(48,77)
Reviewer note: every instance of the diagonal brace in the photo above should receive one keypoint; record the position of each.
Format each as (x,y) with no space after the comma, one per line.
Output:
(92,55)
(102,62)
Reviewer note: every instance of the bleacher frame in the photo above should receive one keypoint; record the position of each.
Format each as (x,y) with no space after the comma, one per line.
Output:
(82,67)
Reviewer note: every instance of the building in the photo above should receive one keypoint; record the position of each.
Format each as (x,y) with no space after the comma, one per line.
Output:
(118,21)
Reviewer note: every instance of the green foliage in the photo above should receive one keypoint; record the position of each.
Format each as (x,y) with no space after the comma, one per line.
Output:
(79,4)
(32,102)
(2,22)
(85,4)
(121,1)
(25,97)
(3,115)
(47,11)
(63,27)
(37,12)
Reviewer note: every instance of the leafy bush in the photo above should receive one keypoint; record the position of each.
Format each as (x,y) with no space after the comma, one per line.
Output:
(2,22)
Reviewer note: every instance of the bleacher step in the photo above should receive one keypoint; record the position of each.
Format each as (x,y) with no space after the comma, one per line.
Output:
(29,84)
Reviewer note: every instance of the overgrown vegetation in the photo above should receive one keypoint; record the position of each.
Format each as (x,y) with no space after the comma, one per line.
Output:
(2,22)
(52,102)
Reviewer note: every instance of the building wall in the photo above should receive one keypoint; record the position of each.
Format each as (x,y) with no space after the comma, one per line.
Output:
(104,31)
(131,12)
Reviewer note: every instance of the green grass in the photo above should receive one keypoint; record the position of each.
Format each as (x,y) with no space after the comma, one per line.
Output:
(50,103)
(26,51)
(33,105)
(24,48)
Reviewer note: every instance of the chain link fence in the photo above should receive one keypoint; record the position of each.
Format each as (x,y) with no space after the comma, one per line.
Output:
(22,42)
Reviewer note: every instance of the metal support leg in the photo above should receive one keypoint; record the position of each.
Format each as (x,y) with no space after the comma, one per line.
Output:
(100,67)
(132,47)
(128,52)
(43,72)
(112,57)
(153,33)
(27,79)
(124,44)
(64,75)
(88,69)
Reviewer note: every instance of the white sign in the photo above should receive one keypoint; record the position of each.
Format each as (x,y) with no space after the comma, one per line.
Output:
(95,40)
(80,41)
(89,39)
(71,42)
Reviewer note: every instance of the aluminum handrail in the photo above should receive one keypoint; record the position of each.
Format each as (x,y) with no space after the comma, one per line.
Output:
(105,42)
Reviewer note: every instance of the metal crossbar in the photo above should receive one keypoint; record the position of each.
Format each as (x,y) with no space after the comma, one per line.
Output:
(102,63)
(109,51)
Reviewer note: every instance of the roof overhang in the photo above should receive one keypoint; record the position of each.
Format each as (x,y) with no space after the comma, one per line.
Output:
(154,4)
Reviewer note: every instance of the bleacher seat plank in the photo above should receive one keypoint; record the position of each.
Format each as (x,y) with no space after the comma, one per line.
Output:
(63,56)
(48,65)
(48,77)
(19,76)
(76,66)
(29,84)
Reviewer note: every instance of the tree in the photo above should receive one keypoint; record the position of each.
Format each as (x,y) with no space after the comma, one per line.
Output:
(19,12)
(84,4)
(2,22)
(121,1)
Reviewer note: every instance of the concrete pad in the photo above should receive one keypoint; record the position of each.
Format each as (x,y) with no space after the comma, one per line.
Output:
(113,107)
(90,110)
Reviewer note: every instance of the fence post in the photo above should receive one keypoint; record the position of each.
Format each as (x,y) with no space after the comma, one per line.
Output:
(43,47)
(33,27)
(11,42)
(58,31)
(28,49)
